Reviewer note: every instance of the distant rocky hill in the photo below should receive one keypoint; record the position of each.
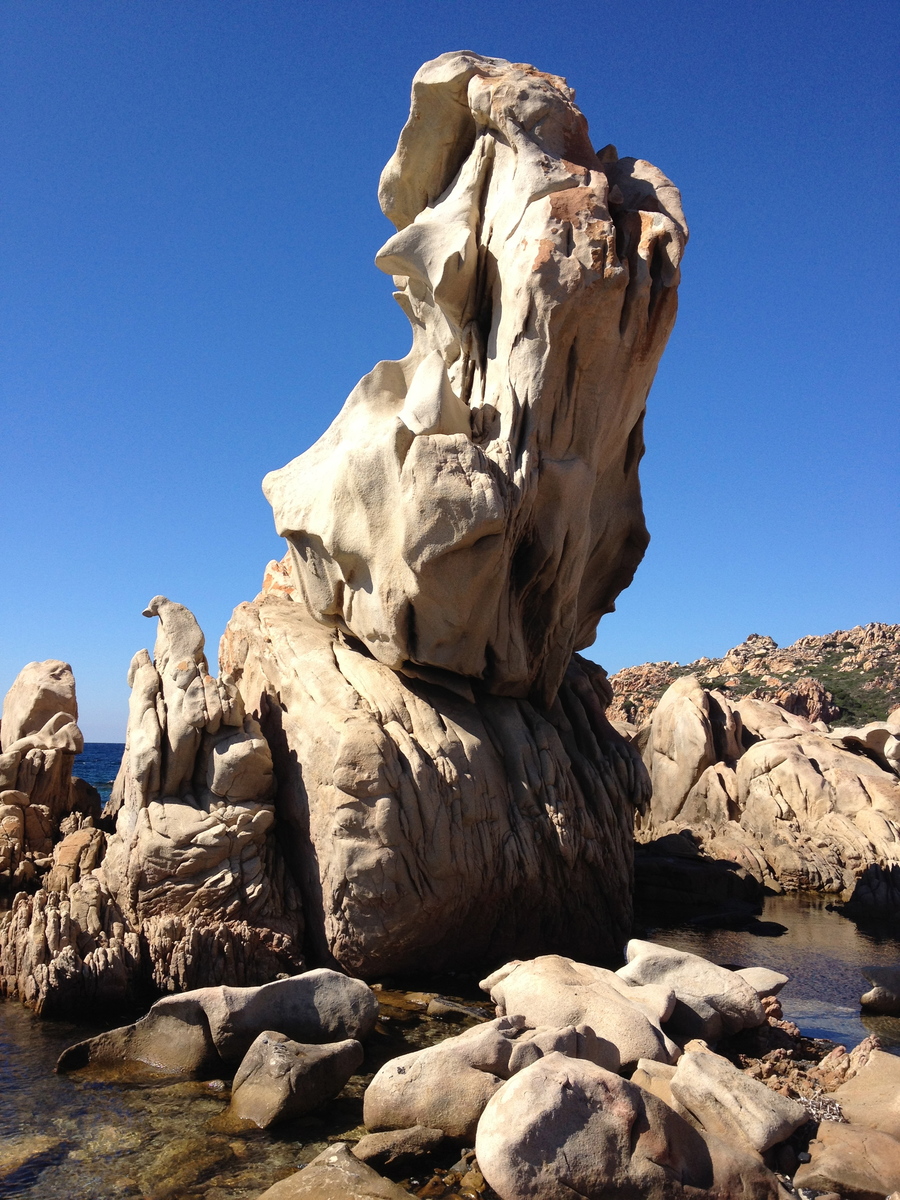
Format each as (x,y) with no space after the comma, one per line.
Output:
(850,677)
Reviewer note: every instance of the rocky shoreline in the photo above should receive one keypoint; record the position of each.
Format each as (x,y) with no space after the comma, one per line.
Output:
(499,1104)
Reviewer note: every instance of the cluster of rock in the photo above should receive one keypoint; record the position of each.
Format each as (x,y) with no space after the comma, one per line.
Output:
(50,820)
(861,664)
(403,764)
(793,804)
(190,888)
(40,800)
(588,1082)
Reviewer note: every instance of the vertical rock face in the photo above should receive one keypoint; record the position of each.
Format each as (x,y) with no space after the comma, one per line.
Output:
(453,790)
(432,826)
(475,507)
(40,739)
(191,888)
(192,864)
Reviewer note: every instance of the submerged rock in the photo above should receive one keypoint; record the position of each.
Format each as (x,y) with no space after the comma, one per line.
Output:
(281,1080)
(199,1032)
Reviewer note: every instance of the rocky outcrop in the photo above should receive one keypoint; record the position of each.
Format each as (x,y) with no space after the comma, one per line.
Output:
(851,676)
(434,824)
(402,764)
(793,805)
(475,507)
(40,801)
(191,888)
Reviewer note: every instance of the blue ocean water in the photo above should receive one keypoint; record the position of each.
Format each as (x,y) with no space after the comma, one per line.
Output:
(98,764)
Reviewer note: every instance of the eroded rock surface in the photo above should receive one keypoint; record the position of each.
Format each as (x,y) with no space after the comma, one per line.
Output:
(280,1079)
(794,805)
(210,1028)
(431,825)
(552,989)
(475,508)
(565,1127)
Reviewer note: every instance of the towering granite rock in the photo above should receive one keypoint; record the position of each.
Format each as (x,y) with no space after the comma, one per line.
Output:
(475,508)
(403,764)
(452,789)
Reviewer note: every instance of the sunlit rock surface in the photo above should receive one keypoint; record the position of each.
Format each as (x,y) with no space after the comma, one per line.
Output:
(475,507)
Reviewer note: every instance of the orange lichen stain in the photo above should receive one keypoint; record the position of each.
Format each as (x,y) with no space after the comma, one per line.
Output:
(546,246)
(277,578)
(574,205)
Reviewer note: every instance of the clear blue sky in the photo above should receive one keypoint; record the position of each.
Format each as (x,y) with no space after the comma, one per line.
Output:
(189,218)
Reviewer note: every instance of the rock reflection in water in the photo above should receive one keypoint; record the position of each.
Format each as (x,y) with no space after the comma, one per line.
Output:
(823,954)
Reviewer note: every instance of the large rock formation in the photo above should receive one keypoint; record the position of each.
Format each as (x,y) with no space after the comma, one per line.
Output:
(796,805)
(475,507)
(40,800)
(192,889)
(453,790)
(431,826)
(403,765)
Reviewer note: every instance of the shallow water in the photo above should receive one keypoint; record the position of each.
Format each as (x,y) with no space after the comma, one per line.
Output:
(821,951)
(156,1137)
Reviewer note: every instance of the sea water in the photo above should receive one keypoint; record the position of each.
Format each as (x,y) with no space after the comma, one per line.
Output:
(98,764)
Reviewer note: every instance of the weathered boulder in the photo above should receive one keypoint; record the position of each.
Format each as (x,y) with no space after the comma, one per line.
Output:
(872,1097)
(710,1000)
(446,1086)
(764,981)
(884,995)
(281,1080)
(401,1147)
(336,1174)
(565,1127)
(855,1162)
(40,738)
(731,1105)
(430,824)
(475,507)
(41,693)
(552,989)
(203,1030)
